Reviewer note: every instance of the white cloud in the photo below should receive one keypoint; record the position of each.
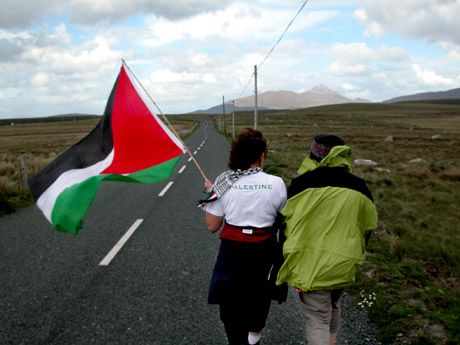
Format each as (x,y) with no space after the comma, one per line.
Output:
(348,87)
(355,51)
(20,14)
(49,74)
(372,28)
(40,79)
(168,77)
(361,52)
(239,22)
(340,69)
(453,50)
(432,20)
(392,54)
(431,78)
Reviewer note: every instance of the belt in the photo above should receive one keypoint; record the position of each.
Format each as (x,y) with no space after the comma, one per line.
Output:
(246,233)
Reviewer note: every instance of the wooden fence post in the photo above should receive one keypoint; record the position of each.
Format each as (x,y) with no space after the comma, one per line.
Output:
(23,171)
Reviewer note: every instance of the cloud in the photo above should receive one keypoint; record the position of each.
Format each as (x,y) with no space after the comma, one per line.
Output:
(166,76)
(432,20)
(340,69)
(20,14)
(355,51)
(431,78)
(47,73)
(232,23)
(357,58)
(453,50)
(372,28)
(348,87)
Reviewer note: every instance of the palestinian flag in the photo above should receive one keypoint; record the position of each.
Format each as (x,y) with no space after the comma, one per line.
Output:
(129,144)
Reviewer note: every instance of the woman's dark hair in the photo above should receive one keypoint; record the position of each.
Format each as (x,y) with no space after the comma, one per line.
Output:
(246,149)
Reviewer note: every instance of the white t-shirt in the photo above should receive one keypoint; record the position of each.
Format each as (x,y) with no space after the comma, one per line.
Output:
(253,200)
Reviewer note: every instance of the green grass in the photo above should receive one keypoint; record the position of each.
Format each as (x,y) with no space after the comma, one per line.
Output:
(413,257)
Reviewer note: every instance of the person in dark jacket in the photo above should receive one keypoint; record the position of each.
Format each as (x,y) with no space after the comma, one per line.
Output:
(329,216)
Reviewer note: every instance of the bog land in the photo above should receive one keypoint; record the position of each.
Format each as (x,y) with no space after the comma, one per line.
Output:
(410,284)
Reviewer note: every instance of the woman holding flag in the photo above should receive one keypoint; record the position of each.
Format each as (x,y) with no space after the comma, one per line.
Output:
(243,203)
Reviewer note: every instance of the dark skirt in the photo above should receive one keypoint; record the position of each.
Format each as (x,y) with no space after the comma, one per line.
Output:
(241,287)
(241,271)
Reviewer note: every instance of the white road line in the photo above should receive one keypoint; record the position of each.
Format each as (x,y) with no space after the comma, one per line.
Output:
(195,152)
(182,169)
(121,243)
(165,189)
(190,159)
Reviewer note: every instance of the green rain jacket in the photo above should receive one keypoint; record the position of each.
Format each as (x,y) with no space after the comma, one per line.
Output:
(328,215)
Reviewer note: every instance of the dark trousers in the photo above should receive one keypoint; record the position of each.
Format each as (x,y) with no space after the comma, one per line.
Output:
(243,316)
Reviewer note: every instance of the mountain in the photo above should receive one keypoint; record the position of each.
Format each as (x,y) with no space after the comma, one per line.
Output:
(217,109)
(319,95)
(428,96)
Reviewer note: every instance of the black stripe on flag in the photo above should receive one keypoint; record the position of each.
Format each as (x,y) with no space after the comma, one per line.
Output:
(93,148)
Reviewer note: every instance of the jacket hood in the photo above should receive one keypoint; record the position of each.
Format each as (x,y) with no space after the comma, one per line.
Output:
(339,156)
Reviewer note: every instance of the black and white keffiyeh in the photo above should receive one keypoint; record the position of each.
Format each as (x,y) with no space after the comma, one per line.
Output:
(224,182)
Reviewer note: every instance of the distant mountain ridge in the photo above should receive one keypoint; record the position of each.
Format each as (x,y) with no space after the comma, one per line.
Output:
(282,99)
(428,96)
(317,96)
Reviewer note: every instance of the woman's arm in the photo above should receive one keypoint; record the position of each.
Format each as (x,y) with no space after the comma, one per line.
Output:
(213,223)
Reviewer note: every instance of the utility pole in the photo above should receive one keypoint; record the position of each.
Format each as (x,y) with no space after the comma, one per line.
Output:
(223,113)
(255,96)
(233,120)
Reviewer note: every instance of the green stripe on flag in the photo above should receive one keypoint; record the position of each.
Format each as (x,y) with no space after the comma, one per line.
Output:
(73,203)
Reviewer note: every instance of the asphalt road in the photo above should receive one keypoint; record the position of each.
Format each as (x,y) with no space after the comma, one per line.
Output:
(53,289)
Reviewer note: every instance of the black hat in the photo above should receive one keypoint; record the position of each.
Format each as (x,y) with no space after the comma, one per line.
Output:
(322,144)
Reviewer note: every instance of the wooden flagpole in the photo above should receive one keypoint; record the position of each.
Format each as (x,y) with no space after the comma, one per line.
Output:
(167,122)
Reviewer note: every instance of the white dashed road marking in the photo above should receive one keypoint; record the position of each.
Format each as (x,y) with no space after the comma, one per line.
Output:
(165,189)
(120,243)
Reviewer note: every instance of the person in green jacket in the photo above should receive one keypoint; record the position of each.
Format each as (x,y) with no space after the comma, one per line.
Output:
(329,216)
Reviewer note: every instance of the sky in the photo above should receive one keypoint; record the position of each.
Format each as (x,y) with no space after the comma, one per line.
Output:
(59,57)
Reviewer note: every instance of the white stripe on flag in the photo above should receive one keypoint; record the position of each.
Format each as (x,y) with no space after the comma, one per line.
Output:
(69,178)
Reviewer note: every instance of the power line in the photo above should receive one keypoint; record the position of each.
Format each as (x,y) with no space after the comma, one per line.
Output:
(282,35)
(275,45)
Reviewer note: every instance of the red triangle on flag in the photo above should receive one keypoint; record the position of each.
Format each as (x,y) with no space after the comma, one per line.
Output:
(139,139)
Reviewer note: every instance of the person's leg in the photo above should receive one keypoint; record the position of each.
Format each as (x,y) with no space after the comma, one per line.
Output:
(316,310)
(336,317)
(257,313)
(254,338)
(235,327)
